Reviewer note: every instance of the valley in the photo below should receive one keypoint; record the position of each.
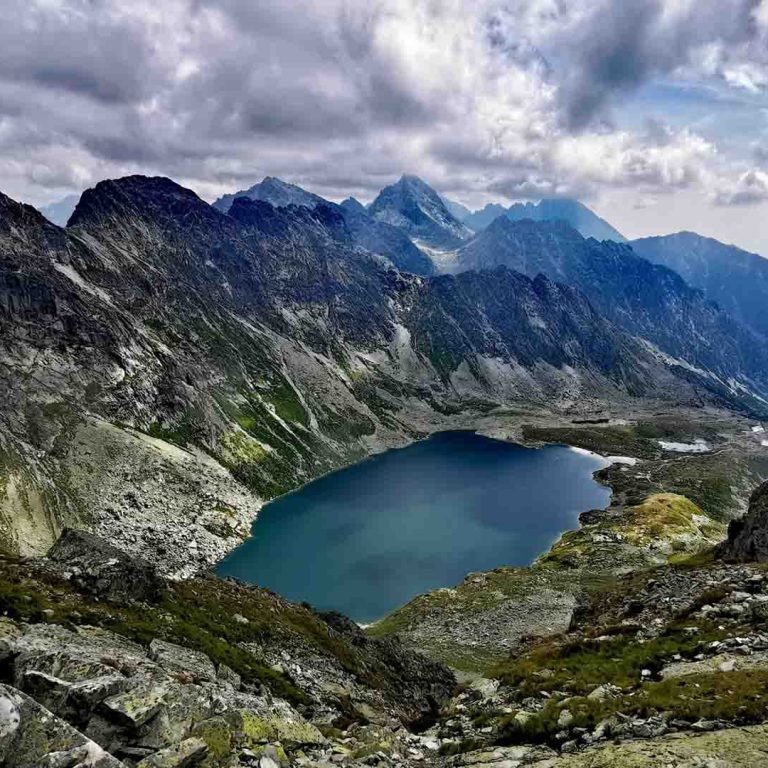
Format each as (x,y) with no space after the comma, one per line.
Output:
(169,367)
(384,385)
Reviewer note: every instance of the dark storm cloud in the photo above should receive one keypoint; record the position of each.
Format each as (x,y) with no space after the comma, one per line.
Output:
(73,47)
(618,46)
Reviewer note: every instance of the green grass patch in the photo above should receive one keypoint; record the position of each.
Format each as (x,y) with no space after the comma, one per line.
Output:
(738,697)
(578,667)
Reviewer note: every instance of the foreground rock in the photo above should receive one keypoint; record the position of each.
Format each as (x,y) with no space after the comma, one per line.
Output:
(202,672)
(100,569)
(33,737)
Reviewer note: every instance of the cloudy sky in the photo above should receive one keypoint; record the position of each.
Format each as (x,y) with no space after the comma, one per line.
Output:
(655,112)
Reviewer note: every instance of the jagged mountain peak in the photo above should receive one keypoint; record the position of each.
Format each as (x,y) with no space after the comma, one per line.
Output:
(275,191)
(574,212)
(137,196)
(416,208)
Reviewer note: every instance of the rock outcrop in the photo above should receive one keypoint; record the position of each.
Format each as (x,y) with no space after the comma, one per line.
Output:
(98,568)
(748,537)
(33,737)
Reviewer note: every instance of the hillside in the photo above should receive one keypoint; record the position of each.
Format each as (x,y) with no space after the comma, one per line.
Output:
(648,300)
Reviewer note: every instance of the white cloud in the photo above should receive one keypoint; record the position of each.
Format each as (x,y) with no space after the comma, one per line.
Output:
(749,188)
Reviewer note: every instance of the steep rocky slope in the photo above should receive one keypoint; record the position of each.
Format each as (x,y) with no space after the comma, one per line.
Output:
(166,366)
(645,299)
(735,279)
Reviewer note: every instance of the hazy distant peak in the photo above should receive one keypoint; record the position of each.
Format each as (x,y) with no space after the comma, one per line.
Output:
(275,191)
(416,208)
(59,212)
(574,212)
(353,205)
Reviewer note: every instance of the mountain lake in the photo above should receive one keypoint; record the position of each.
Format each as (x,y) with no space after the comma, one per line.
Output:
(366,539)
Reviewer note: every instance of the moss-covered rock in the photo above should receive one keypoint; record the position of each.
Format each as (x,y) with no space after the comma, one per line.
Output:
(182,755)
(218,737)
(258,729)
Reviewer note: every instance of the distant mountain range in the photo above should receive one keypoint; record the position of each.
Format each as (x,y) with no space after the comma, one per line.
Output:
(581,218)
(59,213)
(416,230)
(737,280)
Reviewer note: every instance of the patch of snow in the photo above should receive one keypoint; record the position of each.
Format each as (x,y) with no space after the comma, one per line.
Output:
(70,272)
(607,460)
(445,262)
(10,718)
(764,443)
(581,451)
(698,446)
(629,461)
(758,429)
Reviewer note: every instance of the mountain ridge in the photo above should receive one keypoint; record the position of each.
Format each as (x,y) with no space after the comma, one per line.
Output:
(630,290)
(736,279)
(572,211)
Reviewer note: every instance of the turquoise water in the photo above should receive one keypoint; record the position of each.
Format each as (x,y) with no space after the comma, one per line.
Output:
(368,538)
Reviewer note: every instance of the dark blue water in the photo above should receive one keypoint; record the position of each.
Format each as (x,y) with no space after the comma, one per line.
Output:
(367,539)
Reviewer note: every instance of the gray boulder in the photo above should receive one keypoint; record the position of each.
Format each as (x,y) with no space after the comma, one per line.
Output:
(98,568)
(179,660)
(33,737)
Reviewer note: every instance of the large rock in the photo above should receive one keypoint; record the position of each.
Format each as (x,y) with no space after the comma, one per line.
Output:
(99,568)
(747,540)
(185,661)
(182,755)
(33,737)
